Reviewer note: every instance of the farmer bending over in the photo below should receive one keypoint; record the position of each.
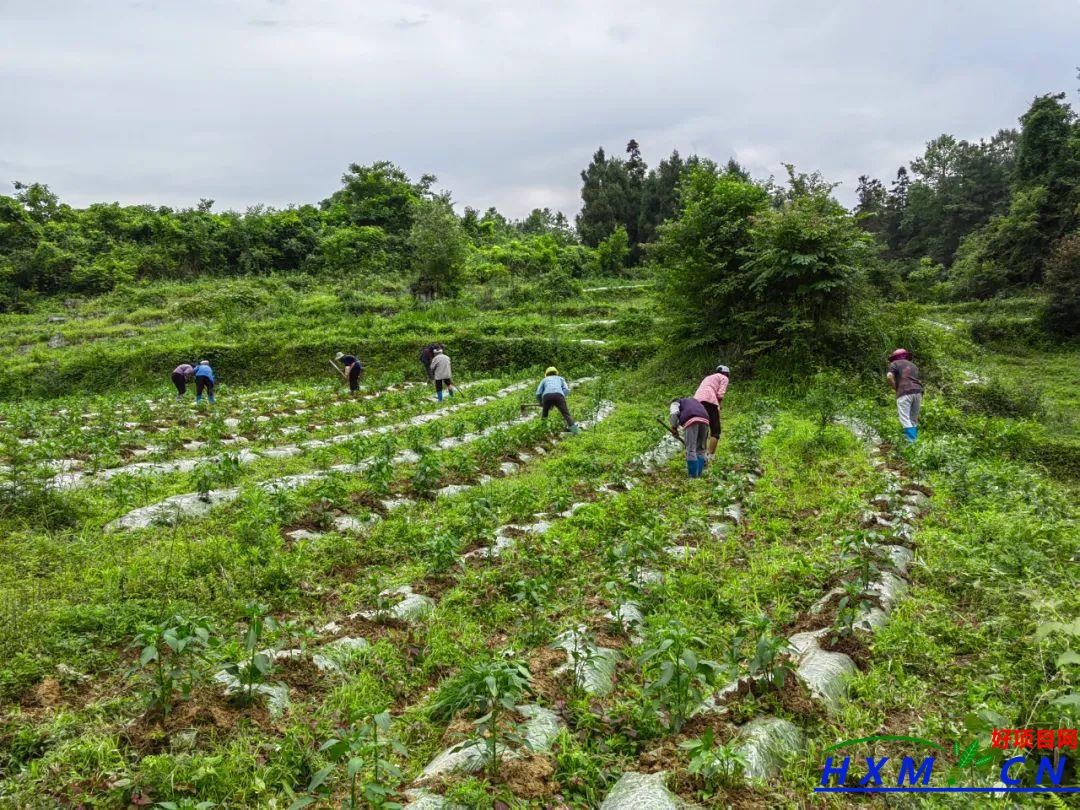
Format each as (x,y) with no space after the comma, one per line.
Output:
(903,376)
(181,376)
(691,416)
(711,396)
(204,381)
(552,393)
(426,355)
(353,370)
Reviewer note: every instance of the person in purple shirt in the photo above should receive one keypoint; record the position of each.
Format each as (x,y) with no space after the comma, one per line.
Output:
(181,376)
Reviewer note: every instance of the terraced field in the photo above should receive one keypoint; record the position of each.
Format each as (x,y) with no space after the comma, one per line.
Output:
(296,595)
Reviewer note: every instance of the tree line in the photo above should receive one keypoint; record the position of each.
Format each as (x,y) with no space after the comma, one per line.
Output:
(380,223)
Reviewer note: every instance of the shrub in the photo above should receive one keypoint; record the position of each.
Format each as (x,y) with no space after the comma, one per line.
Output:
(994,398)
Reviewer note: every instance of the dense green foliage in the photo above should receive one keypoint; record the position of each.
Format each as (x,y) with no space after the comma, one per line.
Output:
(380,227)
(973,220)
(779,285)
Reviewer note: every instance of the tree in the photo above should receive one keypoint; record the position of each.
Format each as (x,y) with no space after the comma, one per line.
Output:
(699,257)
(870,208)
(437,241)
(606,198)
(804,270)
(660,196)
(613,252)
(380,194)
(1061,314)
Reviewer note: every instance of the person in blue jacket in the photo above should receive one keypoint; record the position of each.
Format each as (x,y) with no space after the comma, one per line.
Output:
(551,393)
(204,381)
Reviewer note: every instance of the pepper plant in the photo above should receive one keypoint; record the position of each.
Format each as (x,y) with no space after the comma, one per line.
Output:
(676,676)
(169,654)
(491,689)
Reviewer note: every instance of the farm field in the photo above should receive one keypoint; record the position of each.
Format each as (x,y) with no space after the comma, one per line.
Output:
(297,598)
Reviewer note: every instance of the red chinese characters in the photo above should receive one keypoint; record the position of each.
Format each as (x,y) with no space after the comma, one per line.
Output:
(1033,738)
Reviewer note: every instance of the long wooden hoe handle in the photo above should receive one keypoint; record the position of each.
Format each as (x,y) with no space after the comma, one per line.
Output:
(671,430)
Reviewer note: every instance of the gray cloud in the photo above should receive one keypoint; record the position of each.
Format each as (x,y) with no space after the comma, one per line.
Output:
(268,101)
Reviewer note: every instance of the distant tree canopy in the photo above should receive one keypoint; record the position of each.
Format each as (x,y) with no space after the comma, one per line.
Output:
(990,213)
(379,223)
(625,193)
(763,271)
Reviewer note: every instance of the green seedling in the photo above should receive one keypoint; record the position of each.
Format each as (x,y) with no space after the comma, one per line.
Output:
(170,654)
(491,689)
(676,677)
(718,765)
(256,667)
(365,748)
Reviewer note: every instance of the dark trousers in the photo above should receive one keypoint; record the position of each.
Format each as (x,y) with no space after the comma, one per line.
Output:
(204,384)
(440,383)
(180,381)
(558,402)
(714,418)
(355,370)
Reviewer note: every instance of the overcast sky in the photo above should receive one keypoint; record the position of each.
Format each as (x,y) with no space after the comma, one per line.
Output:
(268,101)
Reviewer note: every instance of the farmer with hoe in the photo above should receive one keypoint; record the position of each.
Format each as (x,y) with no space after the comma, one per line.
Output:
(552,393)
(711,396)
(181,376)
(691,416)
(204,381)
(353,370)
(426,355)
(903,376)
(440,372)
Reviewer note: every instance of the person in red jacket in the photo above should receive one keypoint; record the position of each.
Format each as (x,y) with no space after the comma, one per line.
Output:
(711,396)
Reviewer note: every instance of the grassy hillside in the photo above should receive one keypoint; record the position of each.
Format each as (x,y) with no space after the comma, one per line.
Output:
(285,328)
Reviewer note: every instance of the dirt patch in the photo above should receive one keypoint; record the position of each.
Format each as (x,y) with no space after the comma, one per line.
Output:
(851,645)
(530,777)
(206,710)
(542,663)
(793,697)
(46,694)
(369,501)
(667,757)
(302,674)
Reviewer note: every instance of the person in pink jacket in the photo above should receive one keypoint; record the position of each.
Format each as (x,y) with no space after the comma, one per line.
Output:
(711,394)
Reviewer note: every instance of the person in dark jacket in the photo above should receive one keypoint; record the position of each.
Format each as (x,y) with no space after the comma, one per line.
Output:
(903,376)
(181,376)
(552,393)
(353,369)
(204,381)
(426,354)
(691,416)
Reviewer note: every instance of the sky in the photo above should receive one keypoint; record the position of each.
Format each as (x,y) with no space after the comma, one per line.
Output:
(269,101)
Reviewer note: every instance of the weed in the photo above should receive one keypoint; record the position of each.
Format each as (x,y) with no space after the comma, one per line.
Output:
(718,765)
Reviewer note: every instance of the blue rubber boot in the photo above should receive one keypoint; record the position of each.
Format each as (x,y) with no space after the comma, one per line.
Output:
(701,466)
(912,433)
(691,467)
(198,399)
(211,398)
(438,395)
